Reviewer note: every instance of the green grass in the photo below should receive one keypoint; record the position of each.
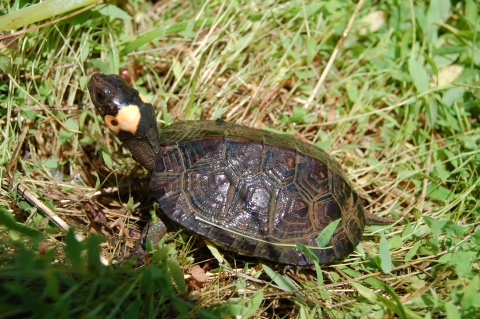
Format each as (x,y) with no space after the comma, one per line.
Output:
(388,111)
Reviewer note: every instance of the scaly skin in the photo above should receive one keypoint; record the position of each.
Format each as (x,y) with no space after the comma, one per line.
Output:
(372,219)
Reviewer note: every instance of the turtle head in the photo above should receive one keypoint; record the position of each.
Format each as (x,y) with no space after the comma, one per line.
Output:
(128,114)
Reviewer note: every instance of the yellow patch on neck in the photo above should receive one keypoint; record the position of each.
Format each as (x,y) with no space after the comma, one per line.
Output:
(143,98)
(126,120)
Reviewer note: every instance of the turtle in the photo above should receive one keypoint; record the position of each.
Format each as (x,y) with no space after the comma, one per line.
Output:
(247,190)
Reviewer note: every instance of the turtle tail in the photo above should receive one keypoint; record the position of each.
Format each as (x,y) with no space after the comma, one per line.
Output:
(372,219)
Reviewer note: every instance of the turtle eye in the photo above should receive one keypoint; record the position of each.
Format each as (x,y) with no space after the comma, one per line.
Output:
(100,95)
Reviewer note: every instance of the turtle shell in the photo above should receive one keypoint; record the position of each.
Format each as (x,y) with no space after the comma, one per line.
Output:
(255,192)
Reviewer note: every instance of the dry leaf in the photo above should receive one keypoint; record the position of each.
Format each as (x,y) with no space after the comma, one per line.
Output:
(372,22)
(448,74)
(198,273)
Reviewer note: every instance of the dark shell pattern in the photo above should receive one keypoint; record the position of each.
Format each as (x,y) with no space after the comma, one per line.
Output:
(255,192)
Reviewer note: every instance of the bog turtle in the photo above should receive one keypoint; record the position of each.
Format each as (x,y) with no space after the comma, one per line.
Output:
(251,191)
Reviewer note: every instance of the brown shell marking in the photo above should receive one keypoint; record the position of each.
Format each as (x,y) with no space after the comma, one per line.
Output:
(255,192)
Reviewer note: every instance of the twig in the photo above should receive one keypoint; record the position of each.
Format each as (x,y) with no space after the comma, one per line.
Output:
(467,86)
(334,55)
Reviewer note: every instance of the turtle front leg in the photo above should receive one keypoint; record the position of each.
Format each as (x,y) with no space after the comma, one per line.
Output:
(153,232)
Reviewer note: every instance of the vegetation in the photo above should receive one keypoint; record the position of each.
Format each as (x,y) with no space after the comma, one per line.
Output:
(399,109)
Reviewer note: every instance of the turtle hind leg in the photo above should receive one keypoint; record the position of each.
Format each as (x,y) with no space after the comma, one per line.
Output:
(372,219)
